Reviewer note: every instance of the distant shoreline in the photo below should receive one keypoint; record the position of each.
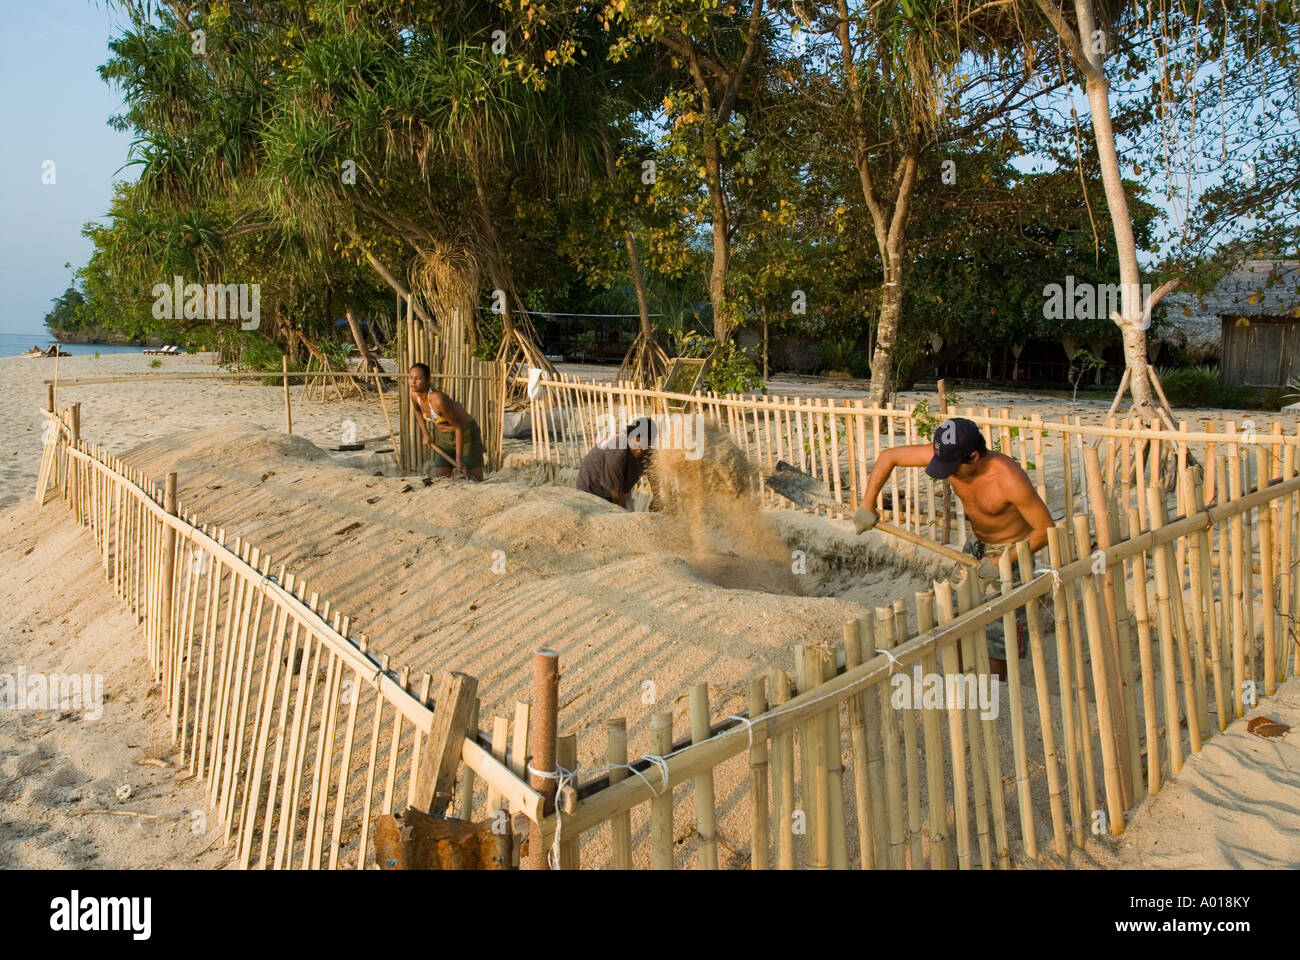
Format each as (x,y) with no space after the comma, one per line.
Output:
(64,336)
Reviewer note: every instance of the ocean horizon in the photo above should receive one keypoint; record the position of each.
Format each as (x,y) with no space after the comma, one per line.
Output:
(14,344)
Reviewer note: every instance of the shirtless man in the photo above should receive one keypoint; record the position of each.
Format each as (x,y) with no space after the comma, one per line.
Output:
(458,439)
(1001,504)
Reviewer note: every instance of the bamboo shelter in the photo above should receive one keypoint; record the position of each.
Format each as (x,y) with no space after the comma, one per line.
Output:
(1159,615)
(479,385)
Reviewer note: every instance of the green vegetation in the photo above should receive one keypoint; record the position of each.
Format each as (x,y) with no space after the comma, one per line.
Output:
(855,186)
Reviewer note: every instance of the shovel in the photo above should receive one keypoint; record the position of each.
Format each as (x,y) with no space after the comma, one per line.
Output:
(806,491)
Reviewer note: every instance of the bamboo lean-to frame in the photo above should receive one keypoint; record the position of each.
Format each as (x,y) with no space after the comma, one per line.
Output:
(301,735)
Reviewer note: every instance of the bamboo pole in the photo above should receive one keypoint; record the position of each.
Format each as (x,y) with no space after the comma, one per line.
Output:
(783,774)
(1096,648)
(542,746)
(1015,696)
(758,792)
(661,807)
(566,758)
(1118,665)
(889,742)
(932,729)
(956,730)
(1267,578)
(620,824)
(992,755)
(858,737)
(705,810)
(814,795)
(1164,611)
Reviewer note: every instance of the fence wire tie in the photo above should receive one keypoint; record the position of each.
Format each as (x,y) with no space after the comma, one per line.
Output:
(893,660)
(1053,573)
(749,727)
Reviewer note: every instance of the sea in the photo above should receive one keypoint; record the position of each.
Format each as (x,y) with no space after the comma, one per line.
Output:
(13,344)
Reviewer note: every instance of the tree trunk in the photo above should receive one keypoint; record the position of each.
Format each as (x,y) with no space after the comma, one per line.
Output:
(721,242)
(368,362)
(882,358)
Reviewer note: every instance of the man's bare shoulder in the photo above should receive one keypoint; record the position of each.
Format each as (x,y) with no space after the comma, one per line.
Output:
(1007,470)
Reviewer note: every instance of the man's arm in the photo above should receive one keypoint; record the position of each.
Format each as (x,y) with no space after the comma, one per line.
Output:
(913,455)
(1025,499)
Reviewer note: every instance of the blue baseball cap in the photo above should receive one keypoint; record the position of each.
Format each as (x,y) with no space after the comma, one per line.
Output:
(954,441)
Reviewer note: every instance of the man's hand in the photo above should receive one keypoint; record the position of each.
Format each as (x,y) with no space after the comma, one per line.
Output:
(864,518)
(460,469)
(986,571)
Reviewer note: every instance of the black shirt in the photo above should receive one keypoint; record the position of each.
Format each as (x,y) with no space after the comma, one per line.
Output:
(610,466)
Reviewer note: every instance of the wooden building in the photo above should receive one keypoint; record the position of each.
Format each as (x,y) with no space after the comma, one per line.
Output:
(1255,310)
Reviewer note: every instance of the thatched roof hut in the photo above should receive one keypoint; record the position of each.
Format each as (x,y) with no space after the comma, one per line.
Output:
(1254,315)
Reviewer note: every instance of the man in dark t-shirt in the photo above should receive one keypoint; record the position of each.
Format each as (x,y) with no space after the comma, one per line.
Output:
(614,465)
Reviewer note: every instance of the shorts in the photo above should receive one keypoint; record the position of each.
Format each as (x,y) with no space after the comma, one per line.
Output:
(995,631)
(445,440)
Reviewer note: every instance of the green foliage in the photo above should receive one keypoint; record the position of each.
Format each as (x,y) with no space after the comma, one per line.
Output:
(835,352)
(732,369)
(155,362)
(1199,386)
(926,422)
(1084,361)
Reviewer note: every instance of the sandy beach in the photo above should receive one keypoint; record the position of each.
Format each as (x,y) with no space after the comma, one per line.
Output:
(627,599)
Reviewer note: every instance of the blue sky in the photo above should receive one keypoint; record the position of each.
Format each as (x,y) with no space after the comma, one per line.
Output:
(56,108)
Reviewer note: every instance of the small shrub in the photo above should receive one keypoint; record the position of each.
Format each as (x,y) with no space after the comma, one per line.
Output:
(732,370)
(155,362)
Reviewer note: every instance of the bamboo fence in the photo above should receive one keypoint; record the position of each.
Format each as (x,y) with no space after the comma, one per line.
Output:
(837,441)
(301,734)
(1145,634)
(1153,621)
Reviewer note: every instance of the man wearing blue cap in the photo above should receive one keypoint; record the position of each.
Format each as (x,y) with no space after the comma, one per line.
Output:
(1000,500)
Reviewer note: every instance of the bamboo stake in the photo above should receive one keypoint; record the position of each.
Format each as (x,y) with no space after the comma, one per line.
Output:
(620,825)
(813,794)
(1019,750)
(1118,666)
(992,755)
(932,728)
(1066,700)
(858,737)
(889,742)
(566,757)
(956,730)
(834,770)
(783,774)
(705,811)
(1238,584)
(371,765)
(1096,648)
(661,807)
(1267,578)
